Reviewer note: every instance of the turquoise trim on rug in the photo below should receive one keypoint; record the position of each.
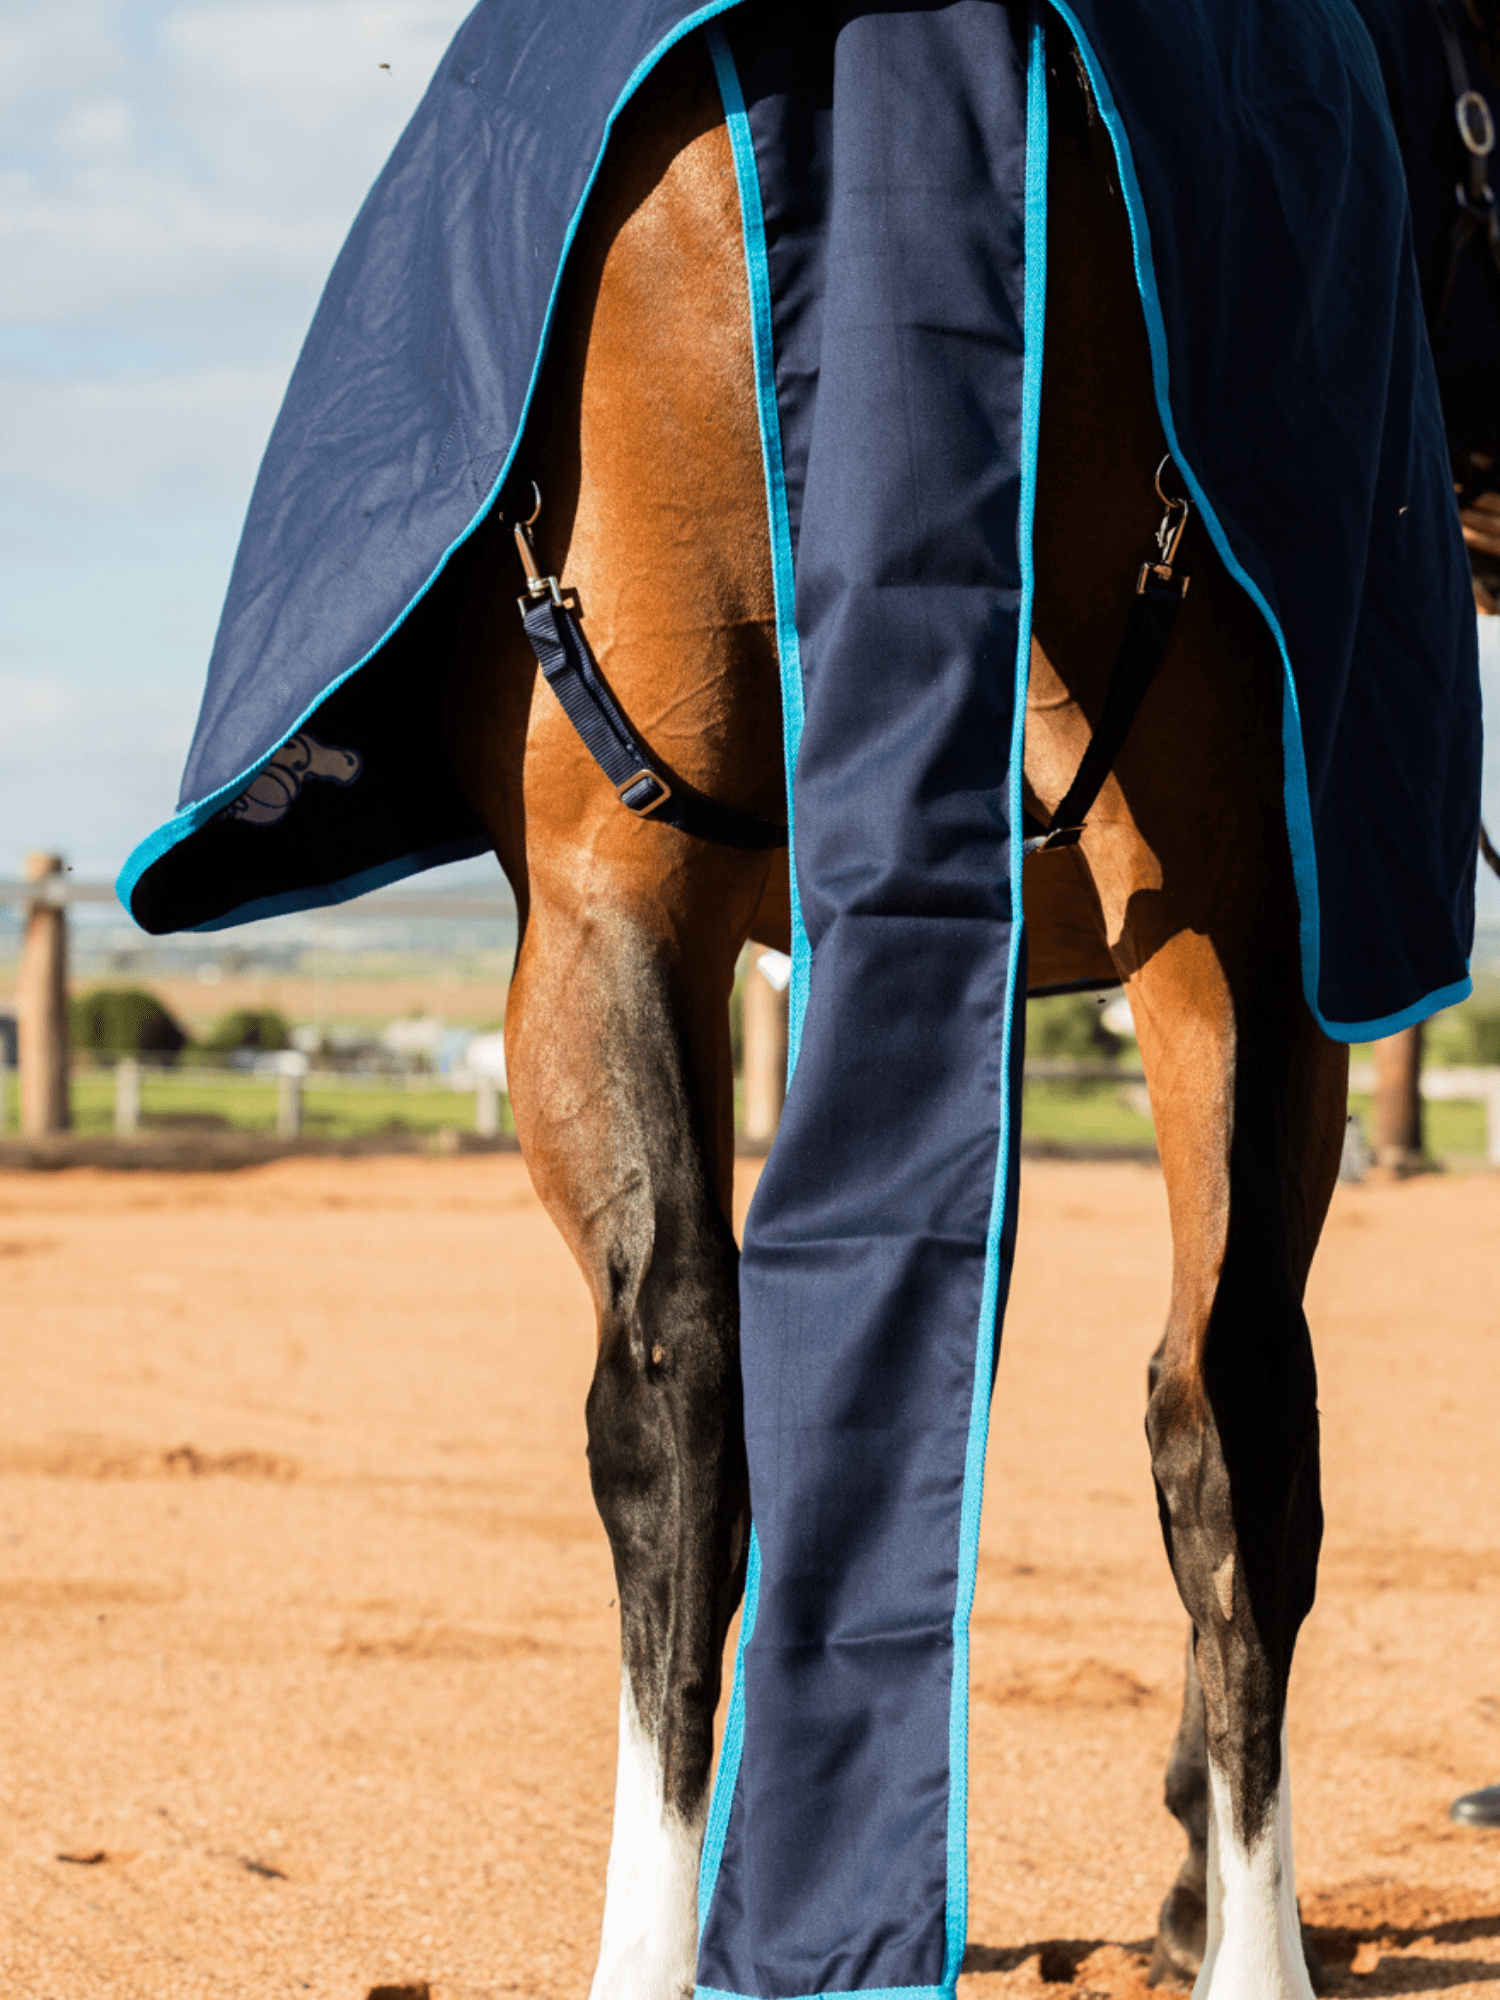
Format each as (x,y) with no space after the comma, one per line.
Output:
(187,819)
(1296,800)
(330,894)
(1033,338)
(726,1778)
(859,1993)
(788,646)
(1392,1024)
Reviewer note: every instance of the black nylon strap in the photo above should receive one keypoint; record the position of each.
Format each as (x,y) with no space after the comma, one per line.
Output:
(571,672)
(1153,617)
(1478,213)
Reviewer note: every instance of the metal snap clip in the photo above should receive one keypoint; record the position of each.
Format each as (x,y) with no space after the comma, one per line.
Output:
(1168,536)
(1475,125)
(537,585)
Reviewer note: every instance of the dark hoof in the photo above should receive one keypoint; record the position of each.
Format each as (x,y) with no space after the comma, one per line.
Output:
(1166,1971)
(1477,1808)
(1180,1934)
(1317,1972)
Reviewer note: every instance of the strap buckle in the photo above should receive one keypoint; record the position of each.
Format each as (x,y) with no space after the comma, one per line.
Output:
(1163,574)
(660,792)
(1168,536)
(1055,836)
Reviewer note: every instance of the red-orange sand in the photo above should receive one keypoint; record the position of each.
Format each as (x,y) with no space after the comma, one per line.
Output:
(308,1678)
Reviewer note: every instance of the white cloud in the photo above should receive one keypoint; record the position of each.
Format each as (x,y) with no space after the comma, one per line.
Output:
(175,179)
(188,170)
(85,777)
(136,440)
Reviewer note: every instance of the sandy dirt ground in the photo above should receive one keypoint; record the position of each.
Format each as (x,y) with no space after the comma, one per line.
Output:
(308,1682)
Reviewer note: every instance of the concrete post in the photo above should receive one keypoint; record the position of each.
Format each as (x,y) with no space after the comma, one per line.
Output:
(765,1026)
(127,1095)
(1398,1099)
(42,1007)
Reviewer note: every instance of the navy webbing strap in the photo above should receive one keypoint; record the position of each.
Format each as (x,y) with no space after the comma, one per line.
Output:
(1153,617)
(1478,211)
(573,675)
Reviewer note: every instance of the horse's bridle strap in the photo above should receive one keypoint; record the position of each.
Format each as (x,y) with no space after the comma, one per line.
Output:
(640,784)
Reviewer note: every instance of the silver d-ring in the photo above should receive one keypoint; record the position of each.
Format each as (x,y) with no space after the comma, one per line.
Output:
(536,494)
(1167,499)
(1475,125)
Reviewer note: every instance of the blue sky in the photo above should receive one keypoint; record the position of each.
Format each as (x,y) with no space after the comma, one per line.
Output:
(175,180)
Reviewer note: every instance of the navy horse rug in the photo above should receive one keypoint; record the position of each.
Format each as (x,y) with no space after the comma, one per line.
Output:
(1274,261)
(892,171)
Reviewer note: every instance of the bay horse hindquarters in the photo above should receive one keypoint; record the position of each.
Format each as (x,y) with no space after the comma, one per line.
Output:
(646,443)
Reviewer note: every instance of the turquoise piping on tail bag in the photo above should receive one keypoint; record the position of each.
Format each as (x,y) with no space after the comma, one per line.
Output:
(757,271)
(727,1775)
(1298,805)
(992,1297)
(788,648)
(753,221)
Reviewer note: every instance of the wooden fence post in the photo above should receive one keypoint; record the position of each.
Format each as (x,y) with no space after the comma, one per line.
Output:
(288,1105)
(486,1106)
(127,1095)
(1398,1099)
(765,1024)
(42,1007)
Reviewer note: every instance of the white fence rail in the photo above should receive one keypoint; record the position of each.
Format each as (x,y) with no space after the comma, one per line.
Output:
(292,1086)
(47,890)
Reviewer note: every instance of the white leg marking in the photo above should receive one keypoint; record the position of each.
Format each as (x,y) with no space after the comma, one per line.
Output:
(649,1950)
(1253,1950)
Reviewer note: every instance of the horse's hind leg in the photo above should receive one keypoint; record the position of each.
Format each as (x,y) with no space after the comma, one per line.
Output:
(647,450)
(1182,1926)
(1187,854)
(1233,1417)
(621,1103)
(1248,1099)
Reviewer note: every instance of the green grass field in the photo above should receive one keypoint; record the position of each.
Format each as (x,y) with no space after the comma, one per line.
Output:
(1076,1113)
(249,1104)
(1092,1114)
(1082,1114)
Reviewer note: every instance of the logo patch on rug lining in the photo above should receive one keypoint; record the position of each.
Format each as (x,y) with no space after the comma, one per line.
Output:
(272,793)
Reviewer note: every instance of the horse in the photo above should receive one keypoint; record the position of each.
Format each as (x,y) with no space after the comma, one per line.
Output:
(645,445)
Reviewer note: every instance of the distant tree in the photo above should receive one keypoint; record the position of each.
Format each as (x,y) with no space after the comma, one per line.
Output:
(1483,1025)
(123,1021)
(247,1028)
(1066,1027)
